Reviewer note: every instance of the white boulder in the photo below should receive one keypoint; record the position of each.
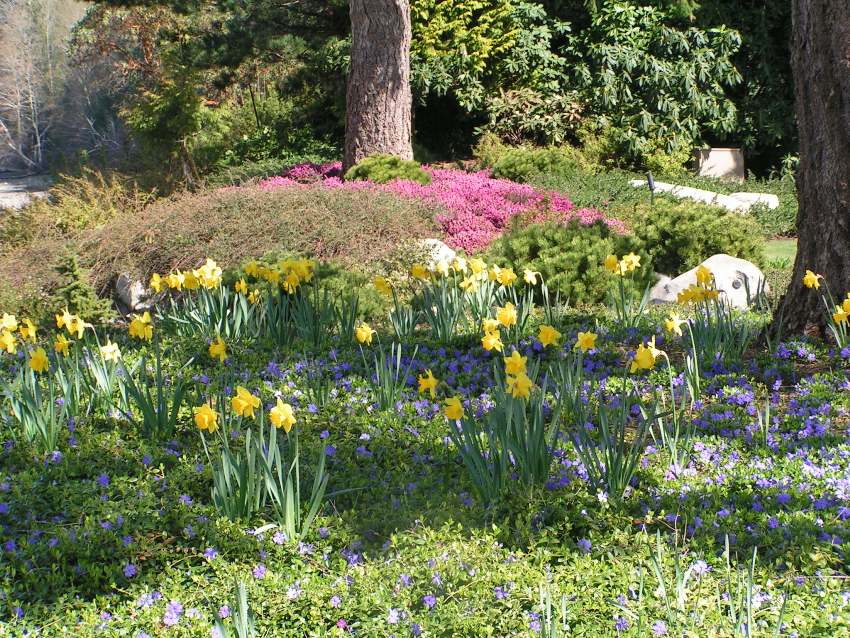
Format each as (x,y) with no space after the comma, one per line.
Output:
(738,281)
(437,251)
(736,202)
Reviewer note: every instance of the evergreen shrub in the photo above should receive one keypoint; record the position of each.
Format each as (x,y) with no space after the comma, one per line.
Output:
(570,257)
(381,169)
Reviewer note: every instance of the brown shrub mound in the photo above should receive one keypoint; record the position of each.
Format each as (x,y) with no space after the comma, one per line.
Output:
(231,225)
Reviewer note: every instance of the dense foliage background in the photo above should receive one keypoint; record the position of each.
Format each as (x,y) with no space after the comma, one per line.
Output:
(260,85)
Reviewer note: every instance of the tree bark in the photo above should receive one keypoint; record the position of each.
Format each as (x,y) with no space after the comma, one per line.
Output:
(820,59)
(378,101)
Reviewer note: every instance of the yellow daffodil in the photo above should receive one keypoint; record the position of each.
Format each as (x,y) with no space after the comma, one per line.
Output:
(62,345)
(840,315)
(244,403)
(291,283)
(477,266)
(206,418)
(674,324)
(282,416)
(252,269)
(442,268)
(110,352)
(8,322)
(645,356)
(630,262)
(175,280)
(77,326)
(811,280)
(241,287)
(453,408)
(490,325)
(585,341)
(382,286)
(191,281)
(254,296)
(506,276)
(530,277)
(459,264)
(548,336)
(39,361)
(519,386)
(515,364)
(156,283)
(492,341)
(704,276)
(64,319)
(612,265)
(418,271)
(507,315)
(468,284)
(493,273)
(8,342)
(428,383)
(141,327)
(272,276)
(845,305)
(209,275)
(218,349)
(28,330)
(364,333)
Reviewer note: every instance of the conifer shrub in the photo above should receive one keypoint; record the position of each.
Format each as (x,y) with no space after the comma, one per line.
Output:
(524,164)
(570,257)
(680,235)
(381,169)
(77,294)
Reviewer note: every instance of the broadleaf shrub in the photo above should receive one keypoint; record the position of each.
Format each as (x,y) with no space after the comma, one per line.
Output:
(570,257)
(381,169)
(680,235)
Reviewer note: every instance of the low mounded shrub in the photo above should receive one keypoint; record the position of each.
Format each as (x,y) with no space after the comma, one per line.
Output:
(355,228)
(570,257)
(523,164)
(680,235)
(381,169)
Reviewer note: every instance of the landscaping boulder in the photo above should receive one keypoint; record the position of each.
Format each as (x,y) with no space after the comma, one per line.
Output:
(736,202)
(132,295)
(437,251)
(738,281)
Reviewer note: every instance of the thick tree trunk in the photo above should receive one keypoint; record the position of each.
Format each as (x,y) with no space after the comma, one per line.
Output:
(378,102)
(820,58)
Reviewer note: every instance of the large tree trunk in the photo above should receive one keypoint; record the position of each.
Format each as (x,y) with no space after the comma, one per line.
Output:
(820,58)
(378,102)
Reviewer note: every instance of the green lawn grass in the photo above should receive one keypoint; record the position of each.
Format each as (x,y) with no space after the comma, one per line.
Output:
(781,249)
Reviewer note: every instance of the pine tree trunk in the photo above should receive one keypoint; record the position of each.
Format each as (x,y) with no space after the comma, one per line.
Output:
(378,103)
(820,58)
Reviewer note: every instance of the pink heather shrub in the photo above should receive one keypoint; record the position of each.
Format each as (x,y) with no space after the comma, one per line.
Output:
(479,207)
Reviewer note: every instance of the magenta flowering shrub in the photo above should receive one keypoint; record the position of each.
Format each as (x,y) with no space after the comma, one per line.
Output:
(475,207)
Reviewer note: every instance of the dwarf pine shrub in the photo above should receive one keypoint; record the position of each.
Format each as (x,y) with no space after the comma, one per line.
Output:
(381,169)
(570,257)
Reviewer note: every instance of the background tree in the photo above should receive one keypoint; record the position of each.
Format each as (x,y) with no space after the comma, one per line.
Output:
(378,101)
(820,59)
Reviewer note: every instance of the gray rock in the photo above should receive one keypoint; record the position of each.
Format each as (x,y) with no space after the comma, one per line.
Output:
(132,294)
(738,281)
(751,199)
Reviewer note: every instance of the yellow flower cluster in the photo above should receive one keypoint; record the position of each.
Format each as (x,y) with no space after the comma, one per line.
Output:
(9,325)
(518,382)
(645,357)
(141,327)
(842,312)
(288,273)
(621,266)
(207,276)
(702,290)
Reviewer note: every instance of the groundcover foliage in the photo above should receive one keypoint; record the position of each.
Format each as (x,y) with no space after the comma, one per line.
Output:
(116,532)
